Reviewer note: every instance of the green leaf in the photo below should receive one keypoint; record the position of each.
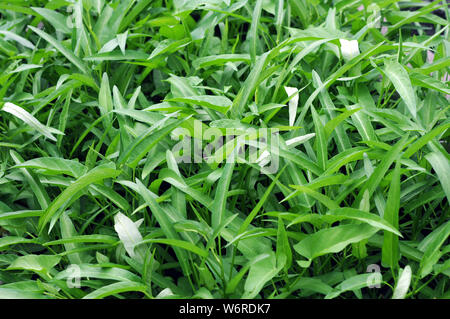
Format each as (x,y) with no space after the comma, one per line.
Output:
(368,218)
(217,103)
(146,141)
(333,123)
(321,142)
(400,79)
(390,250)
(220,59)
(96,271)
(333,77)
(353,283)
(428,82)
(33,181)
(18,38)
(137,9)
(56,19)
(64,51)
(441,166)
(249,247)
(431,248)
(179,243)
(168,46)
(55,165)
(312,285)
(283,246)
(249,86)
(253,32)
(328,202)
(83,239)
(20,214)
(163,220)
(105,102)
(29,119)
(347,156)
(333,240)
(260,203)
(7,241)
(9,293)
(118,55)
(68,230)
(260,273)
(417,145)
(110,194)
(94,176)
(116,288)
(219,205)
(435,66)
(379,172)
(40,264)
(362,123)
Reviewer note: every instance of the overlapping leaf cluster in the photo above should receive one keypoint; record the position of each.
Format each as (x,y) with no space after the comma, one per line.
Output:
(94,203)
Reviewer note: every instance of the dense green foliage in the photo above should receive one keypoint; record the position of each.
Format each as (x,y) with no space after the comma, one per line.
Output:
(95,96)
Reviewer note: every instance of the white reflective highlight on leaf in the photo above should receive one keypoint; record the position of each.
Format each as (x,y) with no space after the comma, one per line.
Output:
(264,158)
(403,284)
(299,140)
(165,293)
(128,233)
(349,49)
(293,103)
